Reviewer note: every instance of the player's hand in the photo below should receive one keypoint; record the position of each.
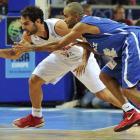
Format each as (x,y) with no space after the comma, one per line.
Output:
(22,46)
(80,69)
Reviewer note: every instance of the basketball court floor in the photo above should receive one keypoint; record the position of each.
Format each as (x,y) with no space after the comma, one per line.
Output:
(67,124)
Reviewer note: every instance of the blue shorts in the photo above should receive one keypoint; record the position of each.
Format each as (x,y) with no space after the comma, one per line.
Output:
(126,69)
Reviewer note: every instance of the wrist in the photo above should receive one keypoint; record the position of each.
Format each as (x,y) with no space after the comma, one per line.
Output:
(85,61)
(33,47)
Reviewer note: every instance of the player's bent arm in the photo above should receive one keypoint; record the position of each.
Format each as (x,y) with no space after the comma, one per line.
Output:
(86,55)
(87,46)
(76,32)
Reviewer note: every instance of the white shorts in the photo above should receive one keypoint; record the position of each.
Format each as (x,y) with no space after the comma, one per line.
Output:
(52,69)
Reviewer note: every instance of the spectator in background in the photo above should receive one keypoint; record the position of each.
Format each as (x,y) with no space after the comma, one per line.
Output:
(69,1)
(87,9)
(61,15)
(3,7)
(50,15)
(100,2)
(119,13)
(121,2)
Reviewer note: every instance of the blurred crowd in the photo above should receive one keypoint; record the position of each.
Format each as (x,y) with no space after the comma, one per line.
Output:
(3,8)
(101,2)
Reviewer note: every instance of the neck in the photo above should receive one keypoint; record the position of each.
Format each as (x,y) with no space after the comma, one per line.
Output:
(82,17)
(42,31)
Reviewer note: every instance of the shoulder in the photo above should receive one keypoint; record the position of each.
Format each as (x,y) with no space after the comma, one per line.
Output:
(61,28)
(60,24)
(52,21)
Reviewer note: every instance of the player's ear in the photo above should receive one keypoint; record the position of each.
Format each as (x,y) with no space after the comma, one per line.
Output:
(76,16)
(38,21)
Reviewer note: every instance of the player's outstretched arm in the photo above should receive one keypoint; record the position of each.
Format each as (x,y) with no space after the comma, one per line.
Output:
(24,46)
(9,54)
(75,33)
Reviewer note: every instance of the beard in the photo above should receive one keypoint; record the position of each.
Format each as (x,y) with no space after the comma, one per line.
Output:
(71,24)
(31,32)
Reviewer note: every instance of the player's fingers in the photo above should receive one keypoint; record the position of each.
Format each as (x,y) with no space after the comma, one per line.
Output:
(16,43)
(77,71)
(23,40)
(81,71)
(74,70)
(17,48)
(73,44)
(84,70)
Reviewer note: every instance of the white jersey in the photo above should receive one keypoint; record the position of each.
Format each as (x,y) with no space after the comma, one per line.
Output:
(60,62)
(68,53)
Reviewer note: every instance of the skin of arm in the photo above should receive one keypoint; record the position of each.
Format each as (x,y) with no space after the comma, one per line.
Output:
(9,54)
(60,28)
(86,54)
(82,66)
(75,33)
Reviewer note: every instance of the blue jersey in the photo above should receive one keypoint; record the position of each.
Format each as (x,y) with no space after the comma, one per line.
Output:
(113,35)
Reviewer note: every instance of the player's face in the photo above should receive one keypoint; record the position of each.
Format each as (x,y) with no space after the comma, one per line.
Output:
(120,14)
(88,11)
(28,26)
(69,19)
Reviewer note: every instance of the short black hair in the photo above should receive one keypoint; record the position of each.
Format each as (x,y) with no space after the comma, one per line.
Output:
(86,6)
(116,8)
(33,12)
(76,8)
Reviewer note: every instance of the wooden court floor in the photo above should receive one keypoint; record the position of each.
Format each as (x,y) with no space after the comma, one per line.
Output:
(104,134)
(67,124)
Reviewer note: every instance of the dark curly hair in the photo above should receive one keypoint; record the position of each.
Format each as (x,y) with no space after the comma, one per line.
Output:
(33,12)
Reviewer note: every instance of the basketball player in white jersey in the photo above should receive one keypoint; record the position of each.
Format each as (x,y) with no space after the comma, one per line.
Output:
(57,64)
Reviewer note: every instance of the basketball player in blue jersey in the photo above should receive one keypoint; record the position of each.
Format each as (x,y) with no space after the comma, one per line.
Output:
(111,38)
